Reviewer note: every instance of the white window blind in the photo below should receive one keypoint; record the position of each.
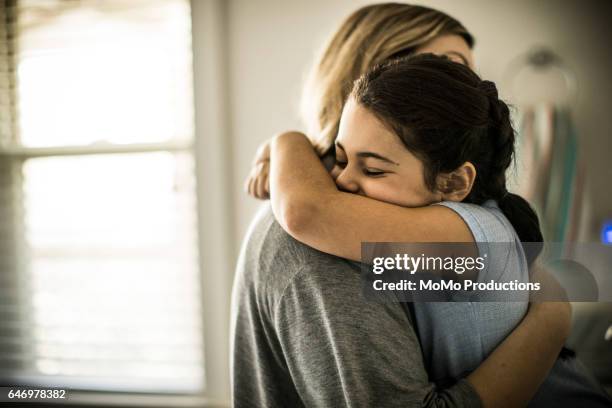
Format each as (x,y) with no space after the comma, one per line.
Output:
(99,278)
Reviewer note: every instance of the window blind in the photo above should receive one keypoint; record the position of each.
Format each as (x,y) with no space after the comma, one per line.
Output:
(99,280)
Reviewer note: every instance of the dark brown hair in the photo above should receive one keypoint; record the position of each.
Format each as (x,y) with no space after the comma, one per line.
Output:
(446,115)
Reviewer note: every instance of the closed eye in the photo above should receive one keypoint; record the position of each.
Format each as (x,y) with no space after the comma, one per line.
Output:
(373,172)
(341,164)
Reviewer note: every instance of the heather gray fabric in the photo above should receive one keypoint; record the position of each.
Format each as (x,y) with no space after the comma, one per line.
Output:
(304,335)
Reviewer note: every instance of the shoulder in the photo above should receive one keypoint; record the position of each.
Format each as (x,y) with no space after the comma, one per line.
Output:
(271,260)
(330,301)
(486,221)
(277,270)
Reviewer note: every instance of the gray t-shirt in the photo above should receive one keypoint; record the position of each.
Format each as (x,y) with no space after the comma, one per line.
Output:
(304,335)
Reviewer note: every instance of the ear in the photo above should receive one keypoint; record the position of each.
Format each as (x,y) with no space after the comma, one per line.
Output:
(456,185)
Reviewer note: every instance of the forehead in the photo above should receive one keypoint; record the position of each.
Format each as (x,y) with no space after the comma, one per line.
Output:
(361,130)
(450,45)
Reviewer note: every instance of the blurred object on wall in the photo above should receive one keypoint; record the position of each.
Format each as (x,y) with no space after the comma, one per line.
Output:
(549,172)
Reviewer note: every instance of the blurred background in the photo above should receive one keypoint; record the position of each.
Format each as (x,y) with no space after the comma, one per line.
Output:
(127,128)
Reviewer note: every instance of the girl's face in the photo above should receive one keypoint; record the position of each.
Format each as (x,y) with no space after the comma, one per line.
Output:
(372,161)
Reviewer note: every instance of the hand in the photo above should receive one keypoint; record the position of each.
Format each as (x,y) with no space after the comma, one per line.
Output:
(257,183)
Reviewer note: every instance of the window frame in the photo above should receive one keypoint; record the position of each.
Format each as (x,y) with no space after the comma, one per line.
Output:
(216,250)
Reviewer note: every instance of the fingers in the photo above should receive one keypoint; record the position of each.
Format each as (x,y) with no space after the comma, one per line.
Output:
(259,190)
(262,181)
(267,186)
(251,182)
(248,183)
(263,190)
(257,183)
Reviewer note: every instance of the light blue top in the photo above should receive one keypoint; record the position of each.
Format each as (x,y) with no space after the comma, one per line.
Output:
(457,336)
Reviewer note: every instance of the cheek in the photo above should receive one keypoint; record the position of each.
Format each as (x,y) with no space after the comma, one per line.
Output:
(405,194)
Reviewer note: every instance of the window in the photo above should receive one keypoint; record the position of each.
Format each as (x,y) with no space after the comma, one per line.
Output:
(100,286)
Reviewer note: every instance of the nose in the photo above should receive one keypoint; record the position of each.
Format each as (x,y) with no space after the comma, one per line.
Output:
(346,182)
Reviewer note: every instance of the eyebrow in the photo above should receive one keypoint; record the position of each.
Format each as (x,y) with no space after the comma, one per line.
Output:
(460,55)
(370,154)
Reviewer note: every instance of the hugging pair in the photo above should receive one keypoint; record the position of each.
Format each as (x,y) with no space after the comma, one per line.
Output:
(421,149)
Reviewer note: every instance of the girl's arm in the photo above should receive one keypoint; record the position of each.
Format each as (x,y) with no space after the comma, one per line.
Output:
(308,205)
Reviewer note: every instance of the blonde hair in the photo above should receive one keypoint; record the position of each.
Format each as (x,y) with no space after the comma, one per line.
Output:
(368,37)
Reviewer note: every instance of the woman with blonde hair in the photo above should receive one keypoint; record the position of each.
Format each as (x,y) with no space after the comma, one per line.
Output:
(296,341)
(385,31)
(368,37)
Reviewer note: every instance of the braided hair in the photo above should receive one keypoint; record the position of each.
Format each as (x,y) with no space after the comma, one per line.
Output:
(446,116)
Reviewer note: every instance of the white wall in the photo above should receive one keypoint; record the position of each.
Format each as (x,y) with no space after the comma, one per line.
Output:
(272,42)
